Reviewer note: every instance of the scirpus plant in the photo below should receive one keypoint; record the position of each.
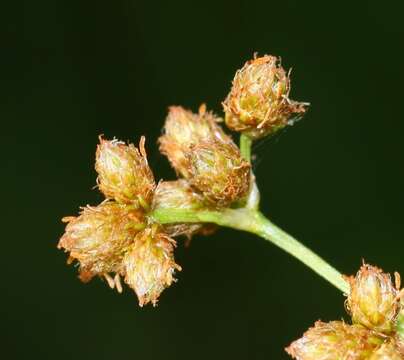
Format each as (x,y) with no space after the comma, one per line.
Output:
(130,235)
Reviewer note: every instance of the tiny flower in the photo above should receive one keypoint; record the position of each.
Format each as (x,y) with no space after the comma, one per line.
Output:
(183,129)
(219,172)
(258,103)
(387,351)
(149,264)
(373,300)
(335,340)
(202,153)
(123,172)
(99,237)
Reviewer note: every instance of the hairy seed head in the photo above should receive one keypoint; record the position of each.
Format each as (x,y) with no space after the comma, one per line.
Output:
(258,103)
(123,172)
(373,300)
(219,172)
(184,129)
(99,237)
(149,264)
(335,340)
(202,153)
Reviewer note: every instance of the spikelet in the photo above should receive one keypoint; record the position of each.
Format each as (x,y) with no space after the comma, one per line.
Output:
(202,153)
(373,300)
(123,172)
(183,129)
(219,172)
(149,264)
(335,340)
(258,103)
(99,237)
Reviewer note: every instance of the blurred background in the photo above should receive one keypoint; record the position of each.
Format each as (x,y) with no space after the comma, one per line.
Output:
(71,70)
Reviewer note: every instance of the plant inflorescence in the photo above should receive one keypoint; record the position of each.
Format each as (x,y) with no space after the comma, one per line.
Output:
(130,235)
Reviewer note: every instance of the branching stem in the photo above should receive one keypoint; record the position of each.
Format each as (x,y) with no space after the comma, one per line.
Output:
(255,222)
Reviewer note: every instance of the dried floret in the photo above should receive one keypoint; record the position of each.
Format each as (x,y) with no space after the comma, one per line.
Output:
(219,172)
(124,173)
(373,300)
(99,237)
(335,340)
(149,264)
(258,103)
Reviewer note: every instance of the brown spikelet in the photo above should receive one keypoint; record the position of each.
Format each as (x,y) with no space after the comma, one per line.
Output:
(335,340)
(219,172)
(202,153)
(258,103)
(124,173)
(183,129)
(149,264)
(99,237)
(373,300)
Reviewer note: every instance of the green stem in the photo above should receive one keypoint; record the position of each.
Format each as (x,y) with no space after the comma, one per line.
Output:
(245,147)
(254,222)
(280,238)
(253,198)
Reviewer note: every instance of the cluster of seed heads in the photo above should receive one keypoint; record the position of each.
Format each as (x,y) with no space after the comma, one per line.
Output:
(118,238)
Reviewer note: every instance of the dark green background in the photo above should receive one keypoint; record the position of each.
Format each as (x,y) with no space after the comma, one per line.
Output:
(71,70)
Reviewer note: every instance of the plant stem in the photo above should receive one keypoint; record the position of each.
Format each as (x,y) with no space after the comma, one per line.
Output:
(245,147)
(254,222)
(253,198)
(280,238)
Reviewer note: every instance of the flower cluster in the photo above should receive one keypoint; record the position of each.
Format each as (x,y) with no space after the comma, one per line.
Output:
(116,236)
(120,238)
(377,330)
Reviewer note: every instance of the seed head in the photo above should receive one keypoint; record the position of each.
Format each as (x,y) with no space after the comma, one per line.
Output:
(123,172)
(258,103)
(335,340)
(149,264)
(99,236)
(219,172)
(373,300)
(202,153)
(184,129)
